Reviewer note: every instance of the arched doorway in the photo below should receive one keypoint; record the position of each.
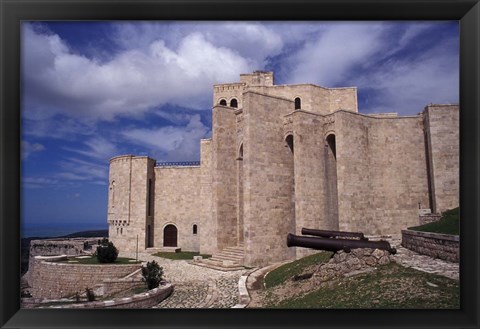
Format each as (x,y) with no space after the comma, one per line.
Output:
(170,233)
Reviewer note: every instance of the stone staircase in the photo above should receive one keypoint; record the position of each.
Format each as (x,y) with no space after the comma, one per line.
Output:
(228,259)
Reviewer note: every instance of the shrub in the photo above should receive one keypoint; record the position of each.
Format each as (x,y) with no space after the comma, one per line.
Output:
(106,252)
(90,294)
(152,274)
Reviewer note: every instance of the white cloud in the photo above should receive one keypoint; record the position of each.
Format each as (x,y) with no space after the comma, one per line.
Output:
(29,148)
(97,148)
(38,182)
(407,86)
(171,143)
(79,170)
(327,59)
(134,81)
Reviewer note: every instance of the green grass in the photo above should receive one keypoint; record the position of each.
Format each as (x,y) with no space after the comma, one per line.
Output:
(391,286)
(448,224)
(180,255)
(287,271)
(94,261)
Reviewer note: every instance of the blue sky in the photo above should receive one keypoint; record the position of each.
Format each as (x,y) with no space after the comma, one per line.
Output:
(93,90)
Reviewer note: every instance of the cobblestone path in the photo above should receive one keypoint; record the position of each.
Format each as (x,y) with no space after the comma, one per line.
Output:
(195,286)
(423,263)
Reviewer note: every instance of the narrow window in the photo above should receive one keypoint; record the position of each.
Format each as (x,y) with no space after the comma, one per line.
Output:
(112,194)
(117,230)
(233,103)
(223,102)
(289,141)
(121,230)
(149,198)
(194,229)
(298,103)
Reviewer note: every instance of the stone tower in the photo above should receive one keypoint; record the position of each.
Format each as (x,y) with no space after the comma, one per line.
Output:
(130,202)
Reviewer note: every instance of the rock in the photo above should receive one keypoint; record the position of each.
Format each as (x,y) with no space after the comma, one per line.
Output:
(370,261)
(384,260)
(377,253)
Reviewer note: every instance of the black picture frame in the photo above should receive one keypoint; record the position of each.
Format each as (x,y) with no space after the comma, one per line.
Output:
(12,12)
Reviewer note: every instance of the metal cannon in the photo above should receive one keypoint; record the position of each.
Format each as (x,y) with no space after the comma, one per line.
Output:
(336,244)
(333,234)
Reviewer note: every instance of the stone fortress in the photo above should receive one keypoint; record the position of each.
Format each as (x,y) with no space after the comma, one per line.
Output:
(283,157)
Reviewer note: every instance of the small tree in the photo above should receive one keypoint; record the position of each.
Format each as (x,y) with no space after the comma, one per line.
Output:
(106,252)
(90,294)
(152,274)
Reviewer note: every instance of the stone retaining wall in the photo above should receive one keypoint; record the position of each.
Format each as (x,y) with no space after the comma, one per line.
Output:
(56,280)
(443,246)
(429,218)
(145,300)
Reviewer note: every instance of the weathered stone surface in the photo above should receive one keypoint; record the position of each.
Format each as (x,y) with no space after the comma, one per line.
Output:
(443,246)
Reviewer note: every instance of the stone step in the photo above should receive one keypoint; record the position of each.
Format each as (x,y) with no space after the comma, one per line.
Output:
(231,254)
(221,259)
(216,265)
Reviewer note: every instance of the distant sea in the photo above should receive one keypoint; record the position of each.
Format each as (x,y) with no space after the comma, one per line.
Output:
(42,231)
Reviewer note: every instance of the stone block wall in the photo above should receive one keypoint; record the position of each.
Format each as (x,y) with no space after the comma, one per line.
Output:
(145,300)
(268,185)
(228,92)
(57,279)
(224,179)
(428,218)
(309,162)
(443,246)
(178,201)
(128,213)
(208,228)
(381,172)
(442,133)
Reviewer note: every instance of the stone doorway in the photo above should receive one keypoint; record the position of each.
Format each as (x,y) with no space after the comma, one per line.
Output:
(170,233)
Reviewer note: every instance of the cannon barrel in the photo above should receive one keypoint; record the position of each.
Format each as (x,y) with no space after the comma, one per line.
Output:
(333,234)
(336,244)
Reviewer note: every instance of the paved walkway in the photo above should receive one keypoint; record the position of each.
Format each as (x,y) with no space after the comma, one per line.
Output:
(195,286)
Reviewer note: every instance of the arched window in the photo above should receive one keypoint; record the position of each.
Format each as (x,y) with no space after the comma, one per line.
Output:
(240,152)
(298,103)
(289,141)
(233,103)
(223,102)
(332,144)
(195,228)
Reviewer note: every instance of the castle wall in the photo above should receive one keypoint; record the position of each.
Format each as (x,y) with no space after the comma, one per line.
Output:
(381,172)
(208,228)
(442,132)
(178,201)
(128,200)
(268,184)
(224,169)
(310,197)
